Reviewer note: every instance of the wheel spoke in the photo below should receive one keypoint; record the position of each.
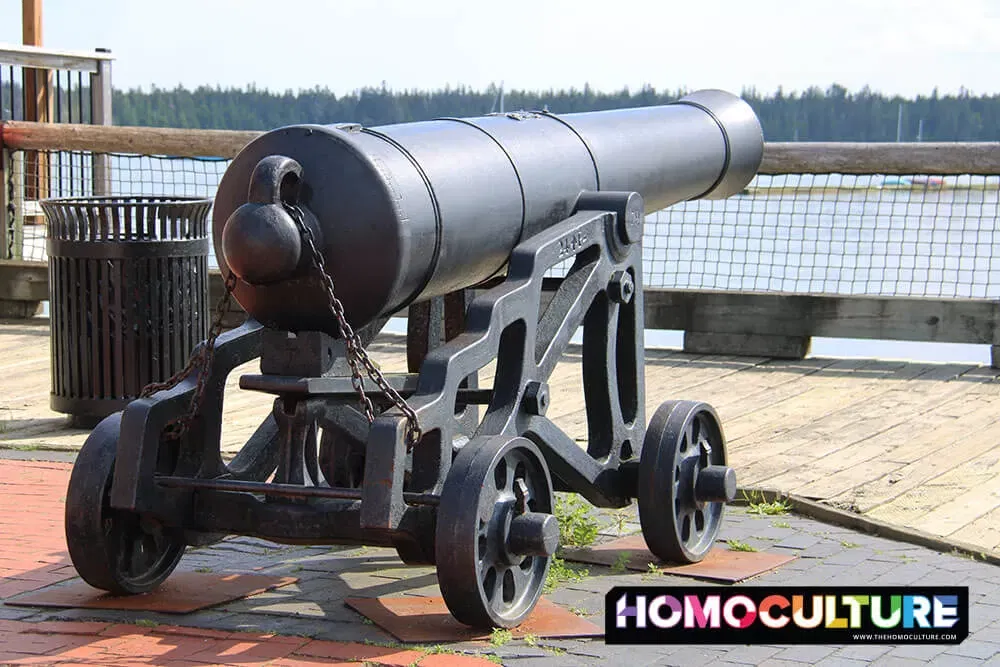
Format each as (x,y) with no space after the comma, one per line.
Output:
(489,578)
(502,474)
(138,558)
(522,580)
(120,550)
(688,439)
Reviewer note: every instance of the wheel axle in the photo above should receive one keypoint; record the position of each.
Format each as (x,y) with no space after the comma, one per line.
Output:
(533,534)
(715,484)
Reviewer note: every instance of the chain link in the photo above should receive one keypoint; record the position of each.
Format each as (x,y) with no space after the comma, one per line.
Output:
(357,356)
(201,360)
(11,221)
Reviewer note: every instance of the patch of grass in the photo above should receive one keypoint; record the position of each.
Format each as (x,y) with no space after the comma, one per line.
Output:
(781,524)
(203,570)
(531,640)
(758,504)
(146,623)
(620,564)
(561,573)
(493,657)
(500,636)
(579,611)
(849,545)
(621,517)
(367,621)
(652,570)
(576,527)
(736,545)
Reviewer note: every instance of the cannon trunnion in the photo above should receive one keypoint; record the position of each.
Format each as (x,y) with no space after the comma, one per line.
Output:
(323,233)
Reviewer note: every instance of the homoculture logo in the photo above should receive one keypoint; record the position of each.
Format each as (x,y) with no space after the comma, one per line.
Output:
(786,615)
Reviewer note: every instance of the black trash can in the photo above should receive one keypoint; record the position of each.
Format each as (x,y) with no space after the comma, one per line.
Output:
(128,296)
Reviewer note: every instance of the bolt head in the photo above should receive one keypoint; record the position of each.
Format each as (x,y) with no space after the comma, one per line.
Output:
(621,287)
(536,398)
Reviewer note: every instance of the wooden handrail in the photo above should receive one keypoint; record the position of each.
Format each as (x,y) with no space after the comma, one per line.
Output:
(936,159)
(22,135)
(43,58)
(779,158)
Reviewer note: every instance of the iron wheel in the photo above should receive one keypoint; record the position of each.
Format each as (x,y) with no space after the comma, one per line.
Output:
(684,481)
(114,550)
(495,531)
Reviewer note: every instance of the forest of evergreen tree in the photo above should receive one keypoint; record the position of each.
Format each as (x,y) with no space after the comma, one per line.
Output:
(834,114)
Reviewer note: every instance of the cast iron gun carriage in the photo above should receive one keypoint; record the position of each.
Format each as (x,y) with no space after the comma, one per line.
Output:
(323,233)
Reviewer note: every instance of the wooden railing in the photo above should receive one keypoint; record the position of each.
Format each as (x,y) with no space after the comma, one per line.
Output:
(726,322)
(779,158)
(48,100)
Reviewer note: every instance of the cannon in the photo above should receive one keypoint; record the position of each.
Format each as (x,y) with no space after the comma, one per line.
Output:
(323,233)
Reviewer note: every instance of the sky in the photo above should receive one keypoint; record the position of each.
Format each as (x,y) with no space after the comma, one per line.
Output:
(905,47)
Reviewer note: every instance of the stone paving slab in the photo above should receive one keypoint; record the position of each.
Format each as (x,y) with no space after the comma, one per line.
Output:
(308,623)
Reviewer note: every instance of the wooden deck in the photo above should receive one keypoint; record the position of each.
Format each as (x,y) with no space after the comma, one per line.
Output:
(913,444)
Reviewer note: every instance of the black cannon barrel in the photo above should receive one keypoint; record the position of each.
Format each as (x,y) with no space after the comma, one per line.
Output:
(405,212)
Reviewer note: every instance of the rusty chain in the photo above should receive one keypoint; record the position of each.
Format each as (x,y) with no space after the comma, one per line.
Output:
(200,359)
(11,213)
(357,356)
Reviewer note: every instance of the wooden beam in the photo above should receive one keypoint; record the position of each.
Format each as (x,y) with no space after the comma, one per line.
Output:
(779,158)
(937,159)
(34,56)
(31,22)
(117,139)
(37,83)
(100,114)
(973,321)
(24,281)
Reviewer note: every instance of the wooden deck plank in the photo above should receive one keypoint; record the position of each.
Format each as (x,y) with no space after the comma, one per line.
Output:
(827,391)
(936,449)
(857,471)
(984,531)
(852,436)
(956,497)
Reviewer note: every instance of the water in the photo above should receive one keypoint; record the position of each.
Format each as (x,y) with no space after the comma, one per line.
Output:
(860,235)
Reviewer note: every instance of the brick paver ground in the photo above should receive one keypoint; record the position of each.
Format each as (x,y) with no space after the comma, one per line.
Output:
(308,624)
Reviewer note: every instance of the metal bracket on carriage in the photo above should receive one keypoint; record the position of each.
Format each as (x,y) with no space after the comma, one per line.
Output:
(144,420)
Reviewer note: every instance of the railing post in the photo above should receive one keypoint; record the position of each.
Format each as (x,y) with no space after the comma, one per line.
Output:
(100,114)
